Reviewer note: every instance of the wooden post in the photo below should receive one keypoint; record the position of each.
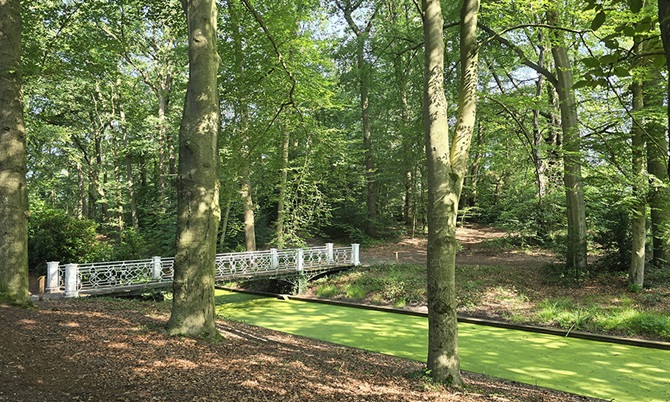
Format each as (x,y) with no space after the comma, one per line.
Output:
(42,281)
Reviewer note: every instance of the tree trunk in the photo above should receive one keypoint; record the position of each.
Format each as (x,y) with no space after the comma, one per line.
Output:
(657,157)
(447,166)
(82,209)
(13,189)
(538,159)
(364,85)
(572,177)
(364,89)
(198,212)
(248,207)
(242,111)
(162,147)
(639,218)
(283,179)
(224,223)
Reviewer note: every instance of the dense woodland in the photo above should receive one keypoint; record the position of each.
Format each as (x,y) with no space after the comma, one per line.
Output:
(322,133)
(321,124)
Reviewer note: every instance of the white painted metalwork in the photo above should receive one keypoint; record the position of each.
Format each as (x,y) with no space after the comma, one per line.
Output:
(118,275)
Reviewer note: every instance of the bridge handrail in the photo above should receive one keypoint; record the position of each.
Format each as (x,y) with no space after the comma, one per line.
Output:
(73,278)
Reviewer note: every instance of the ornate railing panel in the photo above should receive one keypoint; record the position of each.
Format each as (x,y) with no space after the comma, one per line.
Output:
(117,275)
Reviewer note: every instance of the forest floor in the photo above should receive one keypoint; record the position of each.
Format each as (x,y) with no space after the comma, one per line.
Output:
(105,349)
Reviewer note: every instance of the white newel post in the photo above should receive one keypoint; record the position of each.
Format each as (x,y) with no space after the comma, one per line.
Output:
(274,258)
(329,253)
(53,277)
(157,268)
(71,278)
(299,259)
(355,254)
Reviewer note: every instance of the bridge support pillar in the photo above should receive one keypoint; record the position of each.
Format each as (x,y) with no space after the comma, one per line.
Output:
(53,277)
(71,279)
(274,258)
(329,253)
(156,268)
(356,254)
(299,260)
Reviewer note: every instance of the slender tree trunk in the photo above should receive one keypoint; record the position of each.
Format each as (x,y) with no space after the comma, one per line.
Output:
(639,218)
(248,206)
(364,85)
(572,177)
(130,183)
(82,210)
(407,140)
(13,189)
(224,223)
(447,166)
(538,159)
(198,213)
(162,147)
(364,88)
(242,111)
(283,179)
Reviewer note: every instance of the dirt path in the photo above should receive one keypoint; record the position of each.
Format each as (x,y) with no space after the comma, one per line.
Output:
(476,250)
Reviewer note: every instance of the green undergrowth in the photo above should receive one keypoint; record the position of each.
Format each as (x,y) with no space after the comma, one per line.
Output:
(516,294)
(627,319)
(397,285)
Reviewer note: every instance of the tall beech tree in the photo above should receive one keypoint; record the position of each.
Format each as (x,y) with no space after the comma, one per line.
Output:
(198,210)
(13,189)
(447,166)
(363,70)
(572,174)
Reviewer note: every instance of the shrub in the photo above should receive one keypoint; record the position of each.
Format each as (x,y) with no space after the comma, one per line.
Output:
(55,236)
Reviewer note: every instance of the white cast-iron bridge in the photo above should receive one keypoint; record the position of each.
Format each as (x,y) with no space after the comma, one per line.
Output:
(74,280)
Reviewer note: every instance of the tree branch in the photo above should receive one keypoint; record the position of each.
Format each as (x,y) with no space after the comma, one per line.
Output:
(259,19)
(519,52)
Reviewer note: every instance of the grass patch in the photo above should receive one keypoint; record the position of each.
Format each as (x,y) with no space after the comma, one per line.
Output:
(625,318)
(380,284)
(326,290)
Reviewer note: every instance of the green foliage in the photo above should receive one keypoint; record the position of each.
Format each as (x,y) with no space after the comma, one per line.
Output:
(326,291)
(56,236)
(627,319)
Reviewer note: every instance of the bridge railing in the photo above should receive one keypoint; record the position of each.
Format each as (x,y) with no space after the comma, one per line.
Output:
(92,277)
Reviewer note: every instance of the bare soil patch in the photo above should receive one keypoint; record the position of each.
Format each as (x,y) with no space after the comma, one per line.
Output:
(115,350)
(475,250)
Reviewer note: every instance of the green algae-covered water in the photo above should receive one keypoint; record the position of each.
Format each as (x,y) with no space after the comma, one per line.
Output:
(596,369)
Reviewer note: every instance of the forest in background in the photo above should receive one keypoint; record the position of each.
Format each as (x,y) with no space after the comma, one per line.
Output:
(321,131)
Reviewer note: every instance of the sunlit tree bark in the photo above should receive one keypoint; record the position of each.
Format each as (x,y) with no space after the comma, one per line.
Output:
(13,189)
(657,150)
(447,167)
(576,260)
(198,212)
(639,218)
